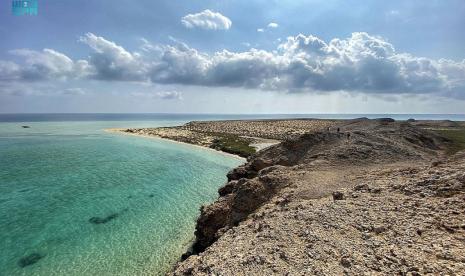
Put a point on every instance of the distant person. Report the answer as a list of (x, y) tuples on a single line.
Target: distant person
[(348, 135), (338, 130)]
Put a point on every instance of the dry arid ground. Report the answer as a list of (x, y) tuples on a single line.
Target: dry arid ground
[(376, 198), (238, 137)]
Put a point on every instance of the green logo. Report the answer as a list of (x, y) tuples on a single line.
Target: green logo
[(24, 7)]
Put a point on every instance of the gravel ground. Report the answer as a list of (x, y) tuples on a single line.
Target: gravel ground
[(382, 201)]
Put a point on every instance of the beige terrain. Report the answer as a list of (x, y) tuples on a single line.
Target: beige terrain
[(387, 221), (235, 136), (377, 197)]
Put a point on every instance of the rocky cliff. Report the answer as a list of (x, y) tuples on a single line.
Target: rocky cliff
[(351, 165)]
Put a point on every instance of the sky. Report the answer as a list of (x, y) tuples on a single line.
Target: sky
[(315, 56)]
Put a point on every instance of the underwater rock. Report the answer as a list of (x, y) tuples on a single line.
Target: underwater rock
[(98, 220), (151, 195), (30, 259)]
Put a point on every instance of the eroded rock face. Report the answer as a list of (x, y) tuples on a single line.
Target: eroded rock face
[(212, 218), (238, 199)]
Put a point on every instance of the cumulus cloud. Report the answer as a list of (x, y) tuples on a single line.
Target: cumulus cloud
[(42, 65), (359, 63), (260, 30), (207, 20), (110, 61), (273, 25)]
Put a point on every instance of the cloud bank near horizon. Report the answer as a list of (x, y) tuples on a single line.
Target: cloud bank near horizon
[(361, 63)]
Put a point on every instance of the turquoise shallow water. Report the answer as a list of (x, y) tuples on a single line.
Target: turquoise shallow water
[(56, 176)]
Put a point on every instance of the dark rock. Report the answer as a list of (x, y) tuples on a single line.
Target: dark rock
[(282, 201), (362, 187), (212, 218), (25, 126), (243, 171), (187, 254), (228, 187), (30, 259), (259, 164), (338, 195), (151, 195), (98, 220), (345, 262), (385, 120), (379, 229)]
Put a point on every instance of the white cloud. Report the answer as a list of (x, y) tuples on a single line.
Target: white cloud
[(73, 91), (164, 95), (170, 95), (207, 20), (112, 62), (40, 65), (9, 71), (273, 25), (359, 63)]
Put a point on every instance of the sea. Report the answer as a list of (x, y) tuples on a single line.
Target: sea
[(77, 200)]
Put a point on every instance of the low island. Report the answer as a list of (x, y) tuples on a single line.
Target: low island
[(331, 197)]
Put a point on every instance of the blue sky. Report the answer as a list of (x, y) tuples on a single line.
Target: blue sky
[(234, 57)]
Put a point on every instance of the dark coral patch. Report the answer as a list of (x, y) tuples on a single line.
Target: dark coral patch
[(30, 259), (99, 220)]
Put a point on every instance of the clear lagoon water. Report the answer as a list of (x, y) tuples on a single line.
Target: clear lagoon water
[(81, 201), (56, 176)]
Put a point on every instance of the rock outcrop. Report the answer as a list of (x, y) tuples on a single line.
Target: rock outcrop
[(335, 202)]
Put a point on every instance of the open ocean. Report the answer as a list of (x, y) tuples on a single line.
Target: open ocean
[(75, 200)]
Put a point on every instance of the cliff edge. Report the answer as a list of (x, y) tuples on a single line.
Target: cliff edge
[(377, 196)]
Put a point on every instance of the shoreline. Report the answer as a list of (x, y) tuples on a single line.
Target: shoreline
[(326, 171), (123, 132)]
